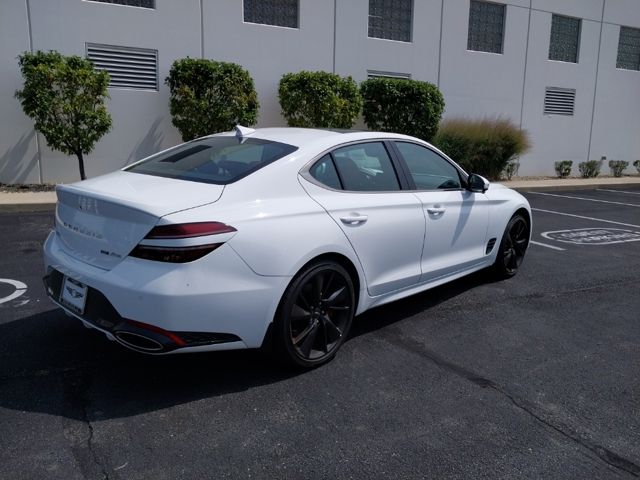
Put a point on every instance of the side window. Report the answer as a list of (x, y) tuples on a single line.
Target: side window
[(428, 169), (366, 167), (324, 172)]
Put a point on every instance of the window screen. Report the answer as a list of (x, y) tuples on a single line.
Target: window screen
[(629, 49), (281, 13), (390, 19), (486, 27), (565, 39)]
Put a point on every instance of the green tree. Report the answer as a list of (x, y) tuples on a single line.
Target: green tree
[(209, 97), (319, 100), (411, 107), (65, 96)]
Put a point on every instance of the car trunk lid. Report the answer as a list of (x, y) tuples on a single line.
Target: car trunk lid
[(101, 220)]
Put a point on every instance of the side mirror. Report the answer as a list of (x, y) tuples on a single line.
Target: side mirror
[(476, 183)]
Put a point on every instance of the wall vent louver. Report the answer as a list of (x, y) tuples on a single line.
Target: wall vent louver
[(559, 101), (135, 68)]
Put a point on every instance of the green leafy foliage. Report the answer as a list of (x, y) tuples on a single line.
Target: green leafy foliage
[(590, 169), (636, 163), (563, 168), (483, 146), (319, 100), (209, 97), (65, 96), (403, 106), (617, 167)]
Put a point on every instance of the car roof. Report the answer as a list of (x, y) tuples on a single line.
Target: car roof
[(301, 137)]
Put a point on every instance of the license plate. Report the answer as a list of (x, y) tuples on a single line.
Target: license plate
[(73, 295)]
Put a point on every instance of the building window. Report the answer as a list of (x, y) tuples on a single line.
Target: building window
[(486, 27), (135, 68), (131, 3), (629, 49), (390, 19), (280, 13), (565, 39)]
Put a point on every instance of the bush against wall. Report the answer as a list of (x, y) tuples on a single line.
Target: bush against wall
[(617, 167), (563, 168), (636, 163), (483, 146), (65, 96), (209, 97), (590, 169), (319, 100), (404, 106)]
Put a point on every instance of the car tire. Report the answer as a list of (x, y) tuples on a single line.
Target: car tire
[(314, 315), (513, 247)]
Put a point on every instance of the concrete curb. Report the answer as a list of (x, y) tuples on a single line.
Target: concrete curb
[(42, 201)]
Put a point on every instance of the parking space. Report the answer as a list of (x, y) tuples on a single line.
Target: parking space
[(534, 377)]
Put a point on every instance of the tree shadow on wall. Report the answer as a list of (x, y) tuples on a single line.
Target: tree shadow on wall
[(14, 166), (150, 143)]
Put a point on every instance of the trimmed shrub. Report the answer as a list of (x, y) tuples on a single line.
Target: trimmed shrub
[(636, 164), (209, 97), (590, 169), (319, 100), (617, 167), (483, 146), (563, 168), (403, 106), (511, 169)]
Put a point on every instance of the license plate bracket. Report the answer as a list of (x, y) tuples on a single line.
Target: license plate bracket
[(73, 295)]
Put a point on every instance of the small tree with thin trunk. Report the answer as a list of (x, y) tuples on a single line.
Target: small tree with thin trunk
[(65, 96)]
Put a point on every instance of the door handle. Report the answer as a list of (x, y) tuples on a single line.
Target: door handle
[(436, 210), (354, 219)]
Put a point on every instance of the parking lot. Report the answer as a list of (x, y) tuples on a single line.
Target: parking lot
[(533, 377)]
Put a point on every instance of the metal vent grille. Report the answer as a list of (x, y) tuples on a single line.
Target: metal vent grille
[(128, 67), (559, 101), (381, 74)]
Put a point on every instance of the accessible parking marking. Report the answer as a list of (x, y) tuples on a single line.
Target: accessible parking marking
[(20, 287), (593, 236)]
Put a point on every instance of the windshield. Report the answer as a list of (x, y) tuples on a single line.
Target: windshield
[(219, 160)]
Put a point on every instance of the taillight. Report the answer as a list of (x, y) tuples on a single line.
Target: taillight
[(182, 243)]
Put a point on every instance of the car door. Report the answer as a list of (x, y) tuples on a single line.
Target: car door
[(456, 219), (358, 185)]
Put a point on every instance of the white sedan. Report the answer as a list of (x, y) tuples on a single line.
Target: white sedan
[(275, 234)]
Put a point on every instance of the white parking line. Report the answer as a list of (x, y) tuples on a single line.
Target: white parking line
[(586, 199), (548, 246), (586, 218), (617, 191)]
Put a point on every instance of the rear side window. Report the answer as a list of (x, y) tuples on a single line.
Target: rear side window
[(219, 160), (325, 172), (428, 170), (366, 167)]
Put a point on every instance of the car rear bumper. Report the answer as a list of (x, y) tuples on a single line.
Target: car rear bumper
[(215, 303)]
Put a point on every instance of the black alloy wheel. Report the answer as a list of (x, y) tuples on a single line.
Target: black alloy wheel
[(512, 247), (315, 315)]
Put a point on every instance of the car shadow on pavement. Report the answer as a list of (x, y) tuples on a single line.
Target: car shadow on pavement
[(50, 364)]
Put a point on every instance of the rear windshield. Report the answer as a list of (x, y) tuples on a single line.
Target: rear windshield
[(219, 160)]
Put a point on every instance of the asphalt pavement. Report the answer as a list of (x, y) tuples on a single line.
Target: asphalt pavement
[(532, 377)]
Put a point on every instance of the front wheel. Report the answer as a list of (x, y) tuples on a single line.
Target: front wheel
[(315, 315), (512, 247)]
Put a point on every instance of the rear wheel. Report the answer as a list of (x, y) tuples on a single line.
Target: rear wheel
[(315, 315), (512, 247)]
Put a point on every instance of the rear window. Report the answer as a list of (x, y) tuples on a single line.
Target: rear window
[(219, 160)]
